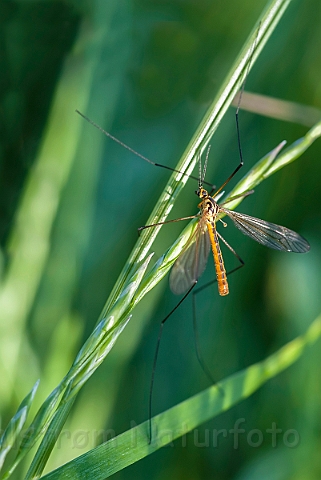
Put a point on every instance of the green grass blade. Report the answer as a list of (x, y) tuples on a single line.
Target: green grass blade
[(295, 150), (29, 245), (11, 433), (273, 162), (36, 429), (87, 361), (131, 446)]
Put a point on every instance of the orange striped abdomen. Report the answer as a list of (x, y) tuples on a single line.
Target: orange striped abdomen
[(218, 262)]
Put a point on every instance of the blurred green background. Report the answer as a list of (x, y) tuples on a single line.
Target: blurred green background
[(72, 200)]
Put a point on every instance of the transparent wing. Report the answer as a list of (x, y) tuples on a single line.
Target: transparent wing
[(269, 234), (192, 261)]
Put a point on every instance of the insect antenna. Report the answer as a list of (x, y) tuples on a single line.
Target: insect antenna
[(124, 145)]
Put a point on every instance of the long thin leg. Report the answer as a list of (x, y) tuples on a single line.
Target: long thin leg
[(232, 250), (240, 97), (199, 355), (229, 178), (156, 357), (237, 117), (240, 165)]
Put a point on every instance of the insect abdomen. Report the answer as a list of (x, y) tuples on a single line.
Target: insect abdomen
[(218, 262)]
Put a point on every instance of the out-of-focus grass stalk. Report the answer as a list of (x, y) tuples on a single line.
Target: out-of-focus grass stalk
[(29, 242), (100, 36), (279, 109), (30, 238)]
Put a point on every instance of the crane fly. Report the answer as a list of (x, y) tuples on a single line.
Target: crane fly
[(192, 261)]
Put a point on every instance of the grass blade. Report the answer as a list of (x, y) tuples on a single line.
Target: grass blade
[(11, 433)]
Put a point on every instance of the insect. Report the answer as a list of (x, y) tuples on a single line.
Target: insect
[(192, 261)]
